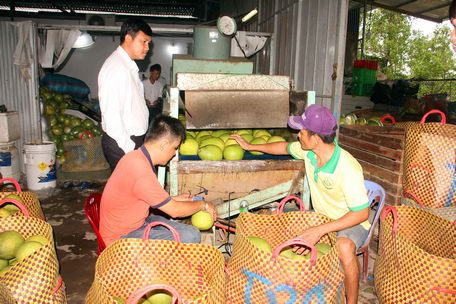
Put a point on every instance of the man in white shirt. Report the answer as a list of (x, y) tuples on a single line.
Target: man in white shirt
[(124, 114), (153, 89)]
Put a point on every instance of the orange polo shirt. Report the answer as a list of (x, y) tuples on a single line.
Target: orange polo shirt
[(132, 188)]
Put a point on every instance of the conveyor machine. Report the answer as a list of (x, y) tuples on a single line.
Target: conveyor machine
[(234, 101)]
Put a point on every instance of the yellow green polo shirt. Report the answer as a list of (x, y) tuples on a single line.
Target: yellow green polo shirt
[(337, 187)]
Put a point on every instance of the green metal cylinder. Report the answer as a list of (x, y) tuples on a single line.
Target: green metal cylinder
[(209, 43)]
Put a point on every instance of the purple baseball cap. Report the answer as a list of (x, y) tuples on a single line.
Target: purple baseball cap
[(316, 118)]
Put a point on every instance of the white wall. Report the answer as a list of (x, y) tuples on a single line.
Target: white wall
[(85, 64)]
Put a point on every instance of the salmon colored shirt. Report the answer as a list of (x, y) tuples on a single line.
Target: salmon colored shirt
[(132, 188)]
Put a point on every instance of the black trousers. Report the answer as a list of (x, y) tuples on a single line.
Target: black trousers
[(113, 152), (155, 110)]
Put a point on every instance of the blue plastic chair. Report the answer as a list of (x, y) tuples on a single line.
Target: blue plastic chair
[(376, 195)]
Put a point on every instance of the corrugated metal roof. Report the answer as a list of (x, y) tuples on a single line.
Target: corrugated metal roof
[(155, 8), (433, 10)]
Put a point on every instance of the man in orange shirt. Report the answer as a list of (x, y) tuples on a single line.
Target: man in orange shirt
[(133, 189)]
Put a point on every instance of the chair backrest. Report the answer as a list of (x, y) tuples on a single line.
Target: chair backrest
[(92, 211), (376, 195)]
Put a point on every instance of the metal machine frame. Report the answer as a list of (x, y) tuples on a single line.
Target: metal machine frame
[(256, 199)]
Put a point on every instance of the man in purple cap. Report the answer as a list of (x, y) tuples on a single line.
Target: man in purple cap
[(336, 186)]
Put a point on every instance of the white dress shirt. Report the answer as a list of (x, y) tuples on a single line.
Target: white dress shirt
[(121, 95), (152, 90)]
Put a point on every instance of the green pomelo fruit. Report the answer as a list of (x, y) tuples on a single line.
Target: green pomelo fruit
[(143, 301), (210, 152), (3, 264), (243, 132), (218, 133), (160, 298), (203, 138), (10, 241), (213, 141), (300, 257), (261, 133), (27, 249), (247, 137), (287, 252), (4, 213), (275, 138), (11, 208), (15, 197), (323, 248), (233, 152), (119, 300), (192, 133), (189, 147), (361, 121), (374, 122), (224, 137), (38, 238), (260, 243), (202, 220), (230, 142), (4, 270), (257, 141), (202, 133), (266, 138)]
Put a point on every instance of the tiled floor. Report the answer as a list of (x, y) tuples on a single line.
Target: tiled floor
[(76, 243)]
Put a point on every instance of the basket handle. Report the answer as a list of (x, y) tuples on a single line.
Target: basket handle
[(444, 290), (289, 198), (85, 132), (135, 296), (17, 203), (296, 241), (58, 286), (413, 196), (388, 116), (443, 121), (12, 180), (393, 210), (153, 224)]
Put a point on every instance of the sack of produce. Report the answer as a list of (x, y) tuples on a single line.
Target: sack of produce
[(264, 269), (61, 126), (29, 269), (65, 85), (84, 154), (130, 269), (28, 199), (416, 261)]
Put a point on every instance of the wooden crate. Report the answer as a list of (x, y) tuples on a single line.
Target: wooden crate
[(380, 151), (234, 179)]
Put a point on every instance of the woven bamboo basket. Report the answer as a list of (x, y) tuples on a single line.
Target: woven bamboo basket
[(36, 278), (29, 199), (258, 276), (417, 257), (129, 268)]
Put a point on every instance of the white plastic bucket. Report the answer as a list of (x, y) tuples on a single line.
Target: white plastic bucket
[(39, 160), (9, 161)]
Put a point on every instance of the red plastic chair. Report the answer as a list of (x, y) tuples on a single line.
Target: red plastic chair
[(92, 211)]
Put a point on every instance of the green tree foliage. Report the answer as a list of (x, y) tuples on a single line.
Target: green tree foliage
[(431, 57), (404, 52), (389, 38)]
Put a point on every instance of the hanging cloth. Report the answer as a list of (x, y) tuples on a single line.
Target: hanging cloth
[(56, 46)]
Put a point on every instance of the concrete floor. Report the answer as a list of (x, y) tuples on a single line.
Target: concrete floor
[(76, 242)]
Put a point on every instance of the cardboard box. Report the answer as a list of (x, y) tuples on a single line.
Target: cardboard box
[(10, 127)]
